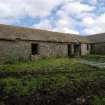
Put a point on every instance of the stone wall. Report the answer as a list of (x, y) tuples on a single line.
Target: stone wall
[(14, 50), (22, 50), (84, 49), (98, 48), (53, 49)]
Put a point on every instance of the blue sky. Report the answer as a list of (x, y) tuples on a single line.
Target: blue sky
[(69, 16)]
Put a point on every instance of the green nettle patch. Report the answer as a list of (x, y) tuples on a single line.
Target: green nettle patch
[(59, 81)]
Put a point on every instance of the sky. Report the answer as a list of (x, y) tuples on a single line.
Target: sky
[(82, 17)]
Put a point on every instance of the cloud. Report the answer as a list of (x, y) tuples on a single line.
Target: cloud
[(22, 8), (45, 24), (88, 21), (77, 8), (67, 30), (11, 9), (94, 2), (69, 16), (65, 22), (94, 25)]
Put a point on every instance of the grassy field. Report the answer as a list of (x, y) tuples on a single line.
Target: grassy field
[(48, 78), (46, 65)]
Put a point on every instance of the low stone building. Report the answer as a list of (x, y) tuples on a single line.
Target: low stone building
[(97, 43), (27, 43)]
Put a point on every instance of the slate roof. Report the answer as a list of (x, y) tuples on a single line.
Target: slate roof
[(8, 32), (97, 38)]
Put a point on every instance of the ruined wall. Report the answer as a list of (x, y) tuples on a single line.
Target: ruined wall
[(14, 50), (53, 49), (84, 49), (98, 48), (22, 50)]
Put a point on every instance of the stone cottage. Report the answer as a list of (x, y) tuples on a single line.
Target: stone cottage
[(27, 43), (97, 43)]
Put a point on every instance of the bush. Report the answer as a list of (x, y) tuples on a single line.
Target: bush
[(98, 100)]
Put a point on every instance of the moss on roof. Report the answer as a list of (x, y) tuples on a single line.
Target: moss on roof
[(8, 32)]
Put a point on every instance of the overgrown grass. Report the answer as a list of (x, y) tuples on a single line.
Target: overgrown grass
[(44, 65), (98, 100), (72, 70), (21, 87), (27, 84)]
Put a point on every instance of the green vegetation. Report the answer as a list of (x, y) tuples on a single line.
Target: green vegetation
[(51, 75), (98, 100), (45, 65), (21, 87), (26, 85)]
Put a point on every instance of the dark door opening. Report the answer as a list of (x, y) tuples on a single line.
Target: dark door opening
[(69, 50), (92, 49), (77, 50), (34, 49)]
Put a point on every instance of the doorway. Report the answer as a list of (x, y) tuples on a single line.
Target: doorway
[(77, 50), (69, 50), (34, 49)]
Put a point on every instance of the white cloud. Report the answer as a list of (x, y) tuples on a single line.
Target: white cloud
[(64, 20), (11, 11), (40, 8), (66, 23), (45, 24), (32, 8), (77, 8), (94, 2), (66, 30), (94, 25), (62, 25), (93, 30), (88, 21)]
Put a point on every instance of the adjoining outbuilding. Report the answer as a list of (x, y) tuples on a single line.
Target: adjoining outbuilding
[(27, 43), (97, 43)]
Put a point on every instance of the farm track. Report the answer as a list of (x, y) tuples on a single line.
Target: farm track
[(93, 64)]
